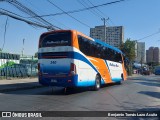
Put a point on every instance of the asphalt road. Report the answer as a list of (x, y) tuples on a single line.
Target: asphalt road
[(140, 93)]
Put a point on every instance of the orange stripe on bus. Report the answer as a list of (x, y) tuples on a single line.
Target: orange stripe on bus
[(124, 70), (75, 39), (102, 68)]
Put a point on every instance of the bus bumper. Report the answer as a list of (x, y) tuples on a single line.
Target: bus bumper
[(70, 81)]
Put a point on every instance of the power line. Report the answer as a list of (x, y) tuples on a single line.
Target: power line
[(80, 10), (96, 9), (10, 14), (148, 36), (83, 3), (43, 11), (26, 10), (68, 14), (24, 20), (102, 14)]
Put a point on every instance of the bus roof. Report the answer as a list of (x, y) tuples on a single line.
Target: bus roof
[(109, 46)]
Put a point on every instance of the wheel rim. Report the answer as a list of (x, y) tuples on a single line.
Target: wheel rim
[(97, 83)]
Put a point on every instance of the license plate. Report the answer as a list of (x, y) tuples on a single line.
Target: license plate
[(53, 81)]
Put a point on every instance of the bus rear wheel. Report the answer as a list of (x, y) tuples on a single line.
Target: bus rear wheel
[(120, 82), (97, 83)]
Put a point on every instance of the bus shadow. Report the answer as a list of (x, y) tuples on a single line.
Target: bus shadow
[(44, 90), (62, 91), (70, 91), (155, 84), (151, 94)]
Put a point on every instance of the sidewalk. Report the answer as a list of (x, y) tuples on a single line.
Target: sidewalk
[(134, 75), (18, 84)]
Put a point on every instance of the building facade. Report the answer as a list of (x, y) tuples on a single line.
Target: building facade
[(140, 52), (153, 55), (156, 55), (114, 35)]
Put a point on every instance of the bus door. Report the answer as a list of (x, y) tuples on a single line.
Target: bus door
[(115, 69)]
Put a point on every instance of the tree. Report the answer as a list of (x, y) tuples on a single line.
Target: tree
[(128, 48), (36, 55)]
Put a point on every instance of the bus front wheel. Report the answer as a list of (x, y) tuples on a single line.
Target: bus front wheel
[(97, 83)]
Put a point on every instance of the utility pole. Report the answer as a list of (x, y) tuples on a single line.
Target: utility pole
[(141, 61), (23, 48), (104, 20)]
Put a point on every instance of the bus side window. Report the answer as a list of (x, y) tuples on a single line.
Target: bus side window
[(110, 55), (87, 48), (81, 44), (84, 45), (118, 57), (92, 49), (101, 51), (105, 53)]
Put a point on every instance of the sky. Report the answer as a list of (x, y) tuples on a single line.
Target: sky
[(140, 19)]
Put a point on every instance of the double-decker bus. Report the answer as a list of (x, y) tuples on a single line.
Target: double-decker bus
[(68, 58)]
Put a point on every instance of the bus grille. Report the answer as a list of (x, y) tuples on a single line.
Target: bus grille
[(54, 55)]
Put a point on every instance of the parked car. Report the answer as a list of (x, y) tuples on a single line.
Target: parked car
[(145, 71), (157, 70), (32, 70)]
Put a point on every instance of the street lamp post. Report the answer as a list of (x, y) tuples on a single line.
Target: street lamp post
[(104, 20), (23, 48)]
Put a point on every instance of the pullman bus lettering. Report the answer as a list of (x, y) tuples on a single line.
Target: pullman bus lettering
[(53, 62), (114, 65)]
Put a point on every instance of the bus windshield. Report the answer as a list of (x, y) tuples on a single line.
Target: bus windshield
[(56, 39)]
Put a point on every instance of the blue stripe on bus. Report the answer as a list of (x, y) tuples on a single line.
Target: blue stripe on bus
[(86, 83), (116, 79), (108, 46), (108, 67), (63, 82), (78, 56)]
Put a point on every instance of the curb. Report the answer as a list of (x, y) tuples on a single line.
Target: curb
[(18, 87)]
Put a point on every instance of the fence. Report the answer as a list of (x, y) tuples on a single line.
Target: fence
[(12, 65)]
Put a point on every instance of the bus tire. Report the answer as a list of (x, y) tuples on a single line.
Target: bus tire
[(97, 83), (120, 82)]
